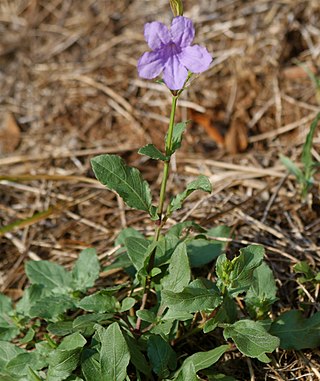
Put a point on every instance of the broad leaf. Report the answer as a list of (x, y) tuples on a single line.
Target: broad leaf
[(178, 131), (201, 183), (147, 315), (90, 365), (153, 152), (8, 351), (161, 355), (227, 313), (50, 307), (192, 299), (8, 330), (201, 251), (49, 274), (203, 360), (114, 352), (137, 249), (73, 341), (220, 377), (251, 339), (63, 360), (187, 373), (19, 365), (30, 297), (100, 301), (262, 292), (86, 270), (61, 328), (136, 356), (127, 303), (179, 270), (85, 323), (112, 171), (297, 332), (237, 274)]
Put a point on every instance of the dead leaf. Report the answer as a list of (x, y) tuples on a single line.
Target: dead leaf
[(205, 121), (236, 139), (10, 134)]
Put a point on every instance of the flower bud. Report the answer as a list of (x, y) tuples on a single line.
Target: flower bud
[(177, 7)]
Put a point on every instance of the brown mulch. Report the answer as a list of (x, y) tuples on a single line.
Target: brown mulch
[(70, 91)]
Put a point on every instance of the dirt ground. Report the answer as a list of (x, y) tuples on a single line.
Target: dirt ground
[(70, 90)]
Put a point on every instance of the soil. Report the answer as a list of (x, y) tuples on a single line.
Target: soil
[(70, 91)]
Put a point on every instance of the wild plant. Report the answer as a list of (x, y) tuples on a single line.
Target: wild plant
[(165, 323)]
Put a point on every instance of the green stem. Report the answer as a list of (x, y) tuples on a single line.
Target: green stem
[(167, 163), (162, 219)]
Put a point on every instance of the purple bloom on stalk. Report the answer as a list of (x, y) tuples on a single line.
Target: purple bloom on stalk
[(172, 53)]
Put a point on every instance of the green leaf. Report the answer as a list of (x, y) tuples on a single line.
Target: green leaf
[(85, 323), (202, 251), (304, 268), (63, 360), (100, 301), (112, 171), (147, 316), (202, 360), (127, 303), (201, 183), (28, 336), (184, 227), (8, 351), (237, 275), (86, 270), (30, 297), (297, 332), (262, 292), (5, 304), (49, 274), (90, 365), (187, 373), (114, 352), (178, 131), (227, 313), (61, 328), (73, 341), (125, 233), (220, 377), (19, 365), (179, 270), (8, 329), (293, 168), (137, 358), (306, 157), (251, 338), (137, 249), (161, 355), (153, 152), (192, 299), (50, 307)]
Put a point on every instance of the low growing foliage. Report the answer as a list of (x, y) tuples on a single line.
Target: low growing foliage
[(66, 328)]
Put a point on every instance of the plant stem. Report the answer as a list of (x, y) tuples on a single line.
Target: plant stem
[(165, 175), (167, 162)]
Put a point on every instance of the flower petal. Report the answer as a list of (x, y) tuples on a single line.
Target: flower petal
[(151, 64), (174, 74), (182, 31), (156, 34), (195, 58)]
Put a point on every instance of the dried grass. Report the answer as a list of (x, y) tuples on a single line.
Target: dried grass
[(68, 78)]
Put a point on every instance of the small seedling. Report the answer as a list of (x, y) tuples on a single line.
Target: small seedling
[(304, 175)]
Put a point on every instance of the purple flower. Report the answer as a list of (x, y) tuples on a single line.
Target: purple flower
[(172, 53)]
